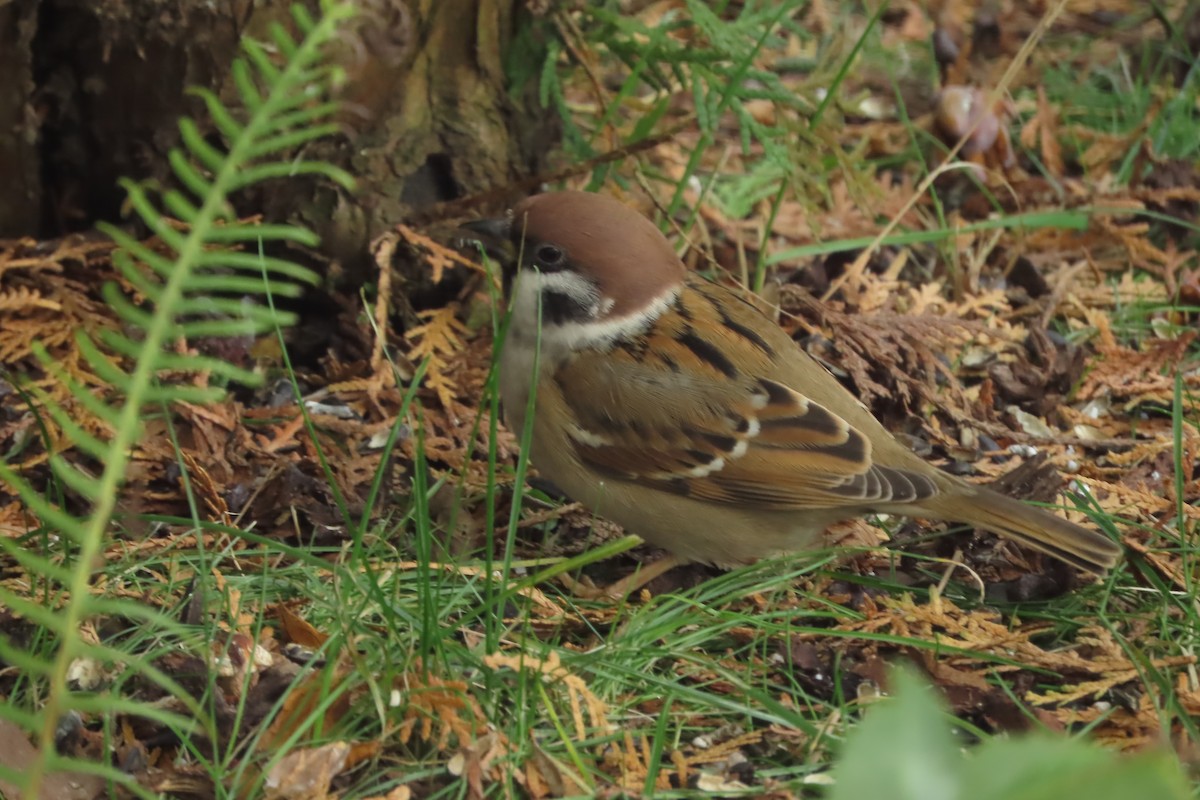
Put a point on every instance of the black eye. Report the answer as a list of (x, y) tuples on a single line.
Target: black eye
[(547, 255)]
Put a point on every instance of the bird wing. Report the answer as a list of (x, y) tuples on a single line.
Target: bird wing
[(671, 410)]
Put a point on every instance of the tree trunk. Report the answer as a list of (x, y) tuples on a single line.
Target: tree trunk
[(90, 91), (20, 165)]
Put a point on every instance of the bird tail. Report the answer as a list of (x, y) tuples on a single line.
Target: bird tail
[(1086, 549)]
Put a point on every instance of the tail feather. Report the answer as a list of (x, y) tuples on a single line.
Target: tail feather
[(1086, 549)]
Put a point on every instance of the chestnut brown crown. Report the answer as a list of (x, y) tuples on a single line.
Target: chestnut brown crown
[(600, 239)]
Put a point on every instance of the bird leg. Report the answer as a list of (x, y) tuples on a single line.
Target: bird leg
[(642, 575)]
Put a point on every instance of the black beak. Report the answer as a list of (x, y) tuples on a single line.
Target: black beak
[(489, 230), (492, 236)]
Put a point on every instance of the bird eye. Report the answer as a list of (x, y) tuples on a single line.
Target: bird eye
[(548, 255)]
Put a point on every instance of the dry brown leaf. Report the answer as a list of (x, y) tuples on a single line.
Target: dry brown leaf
[(1136, 376), (440, 339), (302, 703), (430, 700), (439, 257), (305, 774), (547, 777), (1094, 664), (1042, 130), (477, 761), (1106, 148), (401, 792), (579, 695), (24, 298), (298, 630)]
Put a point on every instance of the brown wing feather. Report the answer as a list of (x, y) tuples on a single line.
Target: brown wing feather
[(698, 416)]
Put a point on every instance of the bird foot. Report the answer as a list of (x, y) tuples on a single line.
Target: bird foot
[(619, 590)]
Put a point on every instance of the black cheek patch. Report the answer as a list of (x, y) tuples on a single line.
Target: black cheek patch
[(560, 307)]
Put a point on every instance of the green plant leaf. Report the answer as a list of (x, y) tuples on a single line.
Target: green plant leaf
[(905, 749), (1043, 767)]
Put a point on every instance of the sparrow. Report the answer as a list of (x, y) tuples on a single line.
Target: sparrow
[(672, 406)]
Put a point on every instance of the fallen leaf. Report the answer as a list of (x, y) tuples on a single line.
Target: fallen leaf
[(299, 630), (1032, 425), (305, 774)]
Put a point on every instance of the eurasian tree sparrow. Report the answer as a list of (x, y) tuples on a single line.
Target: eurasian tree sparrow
[(672, 406)]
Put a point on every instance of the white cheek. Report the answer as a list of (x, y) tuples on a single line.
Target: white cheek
[(529, 331), (525, 301), (598, 333)]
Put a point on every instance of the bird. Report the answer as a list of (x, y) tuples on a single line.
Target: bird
[(672, 406)]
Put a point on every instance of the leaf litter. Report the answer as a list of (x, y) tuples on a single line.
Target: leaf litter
[(982, 350)]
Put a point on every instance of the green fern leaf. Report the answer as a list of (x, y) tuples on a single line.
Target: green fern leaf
[(203, 285)]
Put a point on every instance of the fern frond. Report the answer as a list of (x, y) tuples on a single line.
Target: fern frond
[(195, 282)]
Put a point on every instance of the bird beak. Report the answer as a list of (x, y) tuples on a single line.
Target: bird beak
[(488, 231), (491, 236)]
